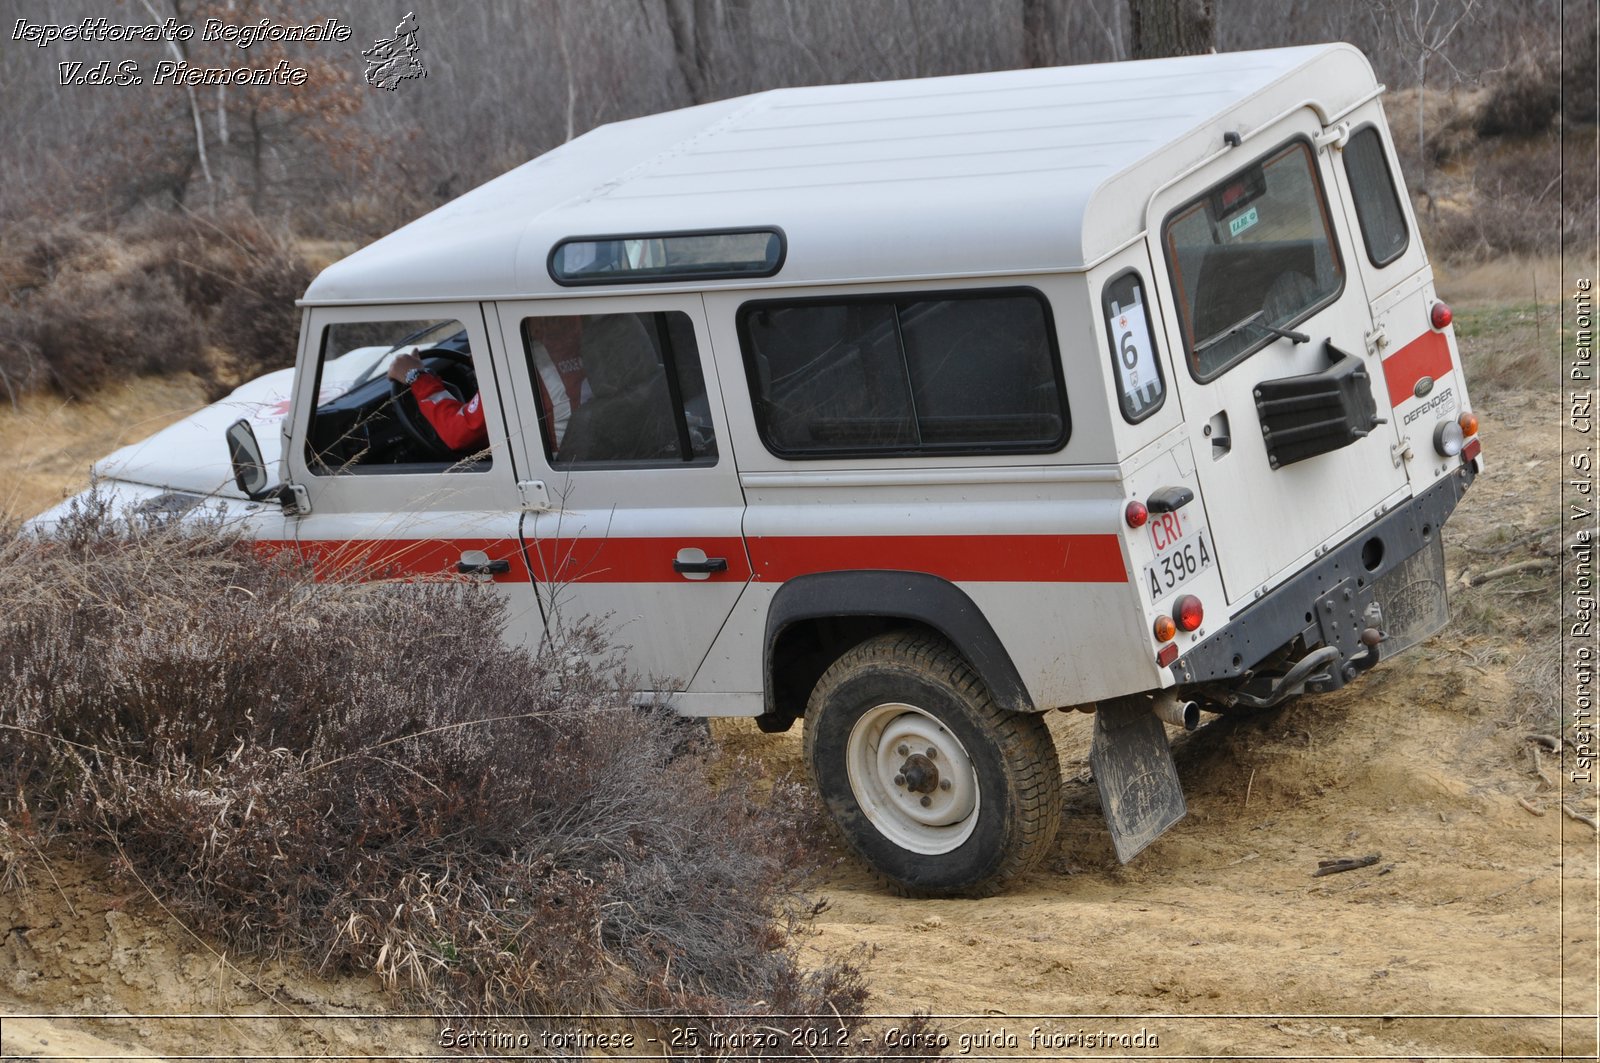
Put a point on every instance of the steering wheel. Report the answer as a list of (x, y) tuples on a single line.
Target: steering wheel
[(409, 416)]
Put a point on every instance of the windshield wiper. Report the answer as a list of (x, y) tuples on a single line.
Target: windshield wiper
[(1258, 318)]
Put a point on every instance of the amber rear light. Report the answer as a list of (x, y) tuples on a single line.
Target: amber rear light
[(1165, 629), (1469, 423)]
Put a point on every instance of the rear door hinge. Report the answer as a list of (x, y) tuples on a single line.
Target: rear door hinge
[(1377, 340), (1335, 135)]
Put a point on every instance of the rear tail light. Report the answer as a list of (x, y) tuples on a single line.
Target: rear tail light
[(1188, 612), (1469, 423), (1136, 514), (1441, 315), (1165, 629), (1447, 438)]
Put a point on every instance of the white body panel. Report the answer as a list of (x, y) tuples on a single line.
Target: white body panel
[(1055, 181)]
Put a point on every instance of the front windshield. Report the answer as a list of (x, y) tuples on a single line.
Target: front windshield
[(1255, 250), (383, 340)]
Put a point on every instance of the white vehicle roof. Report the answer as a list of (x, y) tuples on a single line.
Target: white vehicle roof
[(1019, 171)]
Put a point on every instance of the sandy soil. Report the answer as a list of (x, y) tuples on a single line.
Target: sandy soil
[(1217, 940)]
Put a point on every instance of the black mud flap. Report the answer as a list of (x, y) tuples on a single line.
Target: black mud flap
[(1133, 768), (1412, 597)]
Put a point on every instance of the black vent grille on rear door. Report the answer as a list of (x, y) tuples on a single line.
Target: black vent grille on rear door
[(1303, 416)]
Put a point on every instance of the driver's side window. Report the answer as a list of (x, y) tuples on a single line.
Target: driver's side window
[(369, 420)]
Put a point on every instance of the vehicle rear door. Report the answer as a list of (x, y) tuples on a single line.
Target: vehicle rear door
[(635, 504), (1291, 434)]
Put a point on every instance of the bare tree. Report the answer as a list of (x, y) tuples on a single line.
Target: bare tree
[(1423, 28), (1172, 27)]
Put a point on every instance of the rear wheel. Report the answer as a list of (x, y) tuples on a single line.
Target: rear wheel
[(939, 790)]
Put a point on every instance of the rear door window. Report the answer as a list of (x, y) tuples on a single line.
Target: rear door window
[(619, 389), (1257, 248), (962, 373)]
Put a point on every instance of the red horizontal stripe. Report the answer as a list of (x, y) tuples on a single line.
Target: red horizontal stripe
[(633, 560), (1427, 355), (960, 558), (363, 560)]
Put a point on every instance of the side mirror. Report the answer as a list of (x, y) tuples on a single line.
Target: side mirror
[(249, 467)]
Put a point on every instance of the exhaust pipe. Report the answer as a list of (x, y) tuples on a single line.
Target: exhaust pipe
[(1168, 709)]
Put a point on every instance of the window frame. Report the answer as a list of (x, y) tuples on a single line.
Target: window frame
[(1175, 275), (1394, 193), (316, 467), (673, 381), (667, 276), (894, 298), (1155, 346)]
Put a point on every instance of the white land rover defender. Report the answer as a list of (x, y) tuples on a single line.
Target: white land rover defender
[(911, 410)]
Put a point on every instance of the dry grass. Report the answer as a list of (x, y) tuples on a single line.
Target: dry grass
[(364, 775)]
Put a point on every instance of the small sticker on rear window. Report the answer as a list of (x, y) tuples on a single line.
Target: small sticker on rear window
[(1243, 222)]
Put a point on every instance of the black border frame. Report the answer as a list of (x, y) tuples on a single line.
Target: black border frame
[(669, 278)]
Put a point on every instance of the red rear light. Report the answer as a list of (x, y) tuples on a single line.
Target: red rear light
[(1165, 629), (1136, 513), (1469, 423), (1168, 654), (1441, 315), (1471, 450), (1189, 612)]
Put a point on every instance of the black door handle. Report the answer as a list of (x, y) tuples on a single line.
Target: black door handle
[(489, 568), (710, 564)]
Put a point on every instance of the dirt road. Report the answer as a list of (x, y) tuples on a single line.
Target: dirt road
[(1471, 935)]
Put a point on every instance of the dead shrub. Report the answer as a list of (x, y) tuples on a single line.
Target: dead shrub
[(366, 775), (1523, 99), (81, 309), (81, 331), (1510, 204), (241, 278)]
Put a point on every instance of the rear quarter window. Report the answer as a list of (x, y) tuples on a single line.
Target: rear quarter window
[(1377, 198), (945, 372)]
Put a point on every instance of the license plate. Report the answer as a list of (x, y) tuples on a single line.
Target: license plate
[(1183, 551)]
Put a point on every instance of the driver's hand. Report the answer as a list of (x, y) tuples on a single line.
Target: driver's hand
[(403, 364)]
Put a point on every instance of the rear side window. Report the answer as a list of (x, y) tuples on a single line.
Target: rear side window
[(953, 373), (1383, 222), (1140, 387)]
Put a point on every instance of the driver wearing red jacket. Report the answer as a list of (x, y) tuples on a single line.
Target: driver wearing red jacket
[(458, 424)]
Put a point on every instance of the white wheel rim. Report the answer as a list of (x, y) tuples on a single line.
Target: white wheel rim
[(934, 808)]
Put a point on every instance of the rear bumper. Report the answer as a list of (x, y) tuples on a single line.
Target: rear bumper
[(1327, 603)]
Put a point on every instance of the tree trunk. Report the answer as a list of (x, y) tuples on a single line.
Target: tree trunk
[(691, 25), (1173, 27), (1041, 33)]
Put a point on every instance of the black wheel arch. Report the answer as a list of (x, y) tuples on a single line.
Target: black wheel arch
[(816, 618)]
